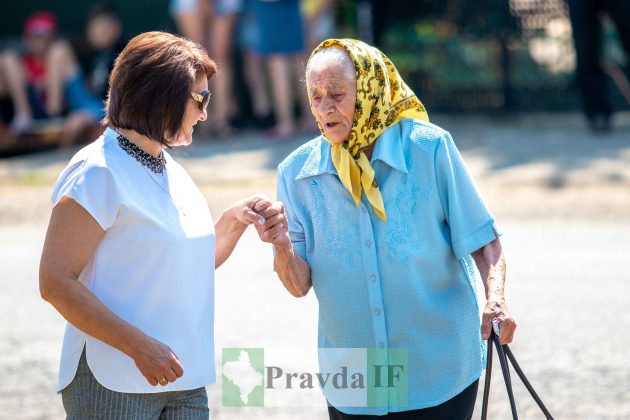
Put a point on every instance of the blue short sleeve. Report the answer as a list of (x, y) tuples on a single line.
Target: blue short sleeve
[(92, 187), (296, 230), (471, 223)]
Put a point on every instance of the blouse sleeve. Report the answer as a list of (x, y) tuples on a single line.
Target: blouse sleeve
[(92, 187), (471, 223), (296, 230)]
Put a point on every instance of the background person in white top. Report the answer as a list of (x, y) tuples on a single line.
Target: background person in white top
[(131, 247)]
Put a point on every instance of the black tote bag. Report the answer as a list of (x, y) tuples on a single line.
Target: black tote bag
[(502, 352)]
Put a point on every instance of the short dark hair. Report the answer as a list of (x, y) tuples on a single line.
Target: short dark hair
[(104, 9), (151, 81)]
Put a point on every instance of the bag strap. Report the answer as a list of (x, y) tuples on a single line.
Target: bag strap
[(502, 352)]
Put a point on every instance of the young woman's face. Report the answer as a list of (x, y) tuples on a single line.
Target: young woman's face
[(333, 95), (192, 115)]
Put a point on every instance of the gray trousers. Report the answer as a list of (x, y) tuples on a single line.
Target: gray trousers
[(85, 398)]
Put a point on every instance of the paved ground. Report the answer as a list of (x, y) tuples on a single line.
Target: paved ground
[(561, 196)]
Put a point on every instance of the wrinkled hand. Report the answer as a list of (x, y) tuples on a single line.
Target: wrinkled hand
[(275, 230), (497, 309), (157, 362), (245, 210)]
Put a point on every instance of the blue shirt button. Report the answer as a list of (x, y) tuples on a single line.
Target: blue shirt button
[(368, 243), (373, 277), (377, 311)]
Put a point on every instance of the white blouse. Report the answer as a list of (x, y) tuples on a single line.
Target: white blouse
[(153, 268)]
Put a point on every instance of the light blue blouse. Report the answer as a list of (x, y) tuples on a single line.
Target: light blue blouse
[(405, 283)]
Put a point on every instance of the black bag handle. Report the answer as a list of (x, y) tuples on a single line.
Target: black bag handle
[(503, 351)]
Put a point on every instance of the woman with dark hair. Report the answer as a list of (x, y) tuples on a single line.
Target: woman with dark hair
[(131, 248)]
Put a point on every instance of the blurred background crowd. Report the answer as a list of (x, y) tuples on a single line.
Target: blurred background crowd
[(484, 56)]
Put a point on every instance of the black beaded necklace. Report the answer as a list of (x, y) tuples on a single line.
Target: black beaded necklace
[(155, 164)]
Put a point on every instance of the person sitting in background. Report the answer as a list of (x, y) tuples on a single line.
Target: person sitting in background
[(46, 82), (104, 33)]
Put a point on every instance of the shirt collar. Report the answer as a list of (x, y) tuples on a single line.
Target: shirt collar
[(318, 161), (388, 149)]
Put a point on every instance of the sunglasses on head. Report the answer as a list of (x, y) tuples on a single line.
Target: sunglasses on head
[(202, 99)]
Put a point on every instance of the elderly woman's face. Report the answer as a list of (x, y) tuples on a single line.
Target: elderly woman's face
[(333, 96)]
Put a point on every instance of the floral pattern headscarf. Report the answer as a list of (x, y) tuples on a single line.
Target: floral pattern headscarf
[(383, 98)]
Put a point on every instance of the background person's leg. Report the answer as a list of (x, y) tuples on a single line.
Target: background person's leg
[(221, 35), (253, 66), (190, 25), (85, 111), (62, 67), (189, 16), (619, 11), (590, 76), (257, 84), (307, 121), (280, 38), (280, 72), (14, 84)]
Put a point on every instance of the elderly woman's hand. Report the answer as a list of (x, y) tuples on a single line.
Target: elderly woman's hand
[(275, 230), (490, 261), (496, 309)]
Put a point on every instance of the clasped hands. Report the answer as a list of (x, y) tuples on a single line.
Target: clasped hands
[(268, 218)]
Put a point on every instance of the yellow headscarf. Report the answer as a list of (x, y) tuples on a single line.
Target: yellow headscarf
[(383, 98)]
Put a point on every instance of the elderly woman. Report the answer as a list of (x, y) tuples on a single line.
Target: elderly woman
[(131, 248), (385, 223)]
